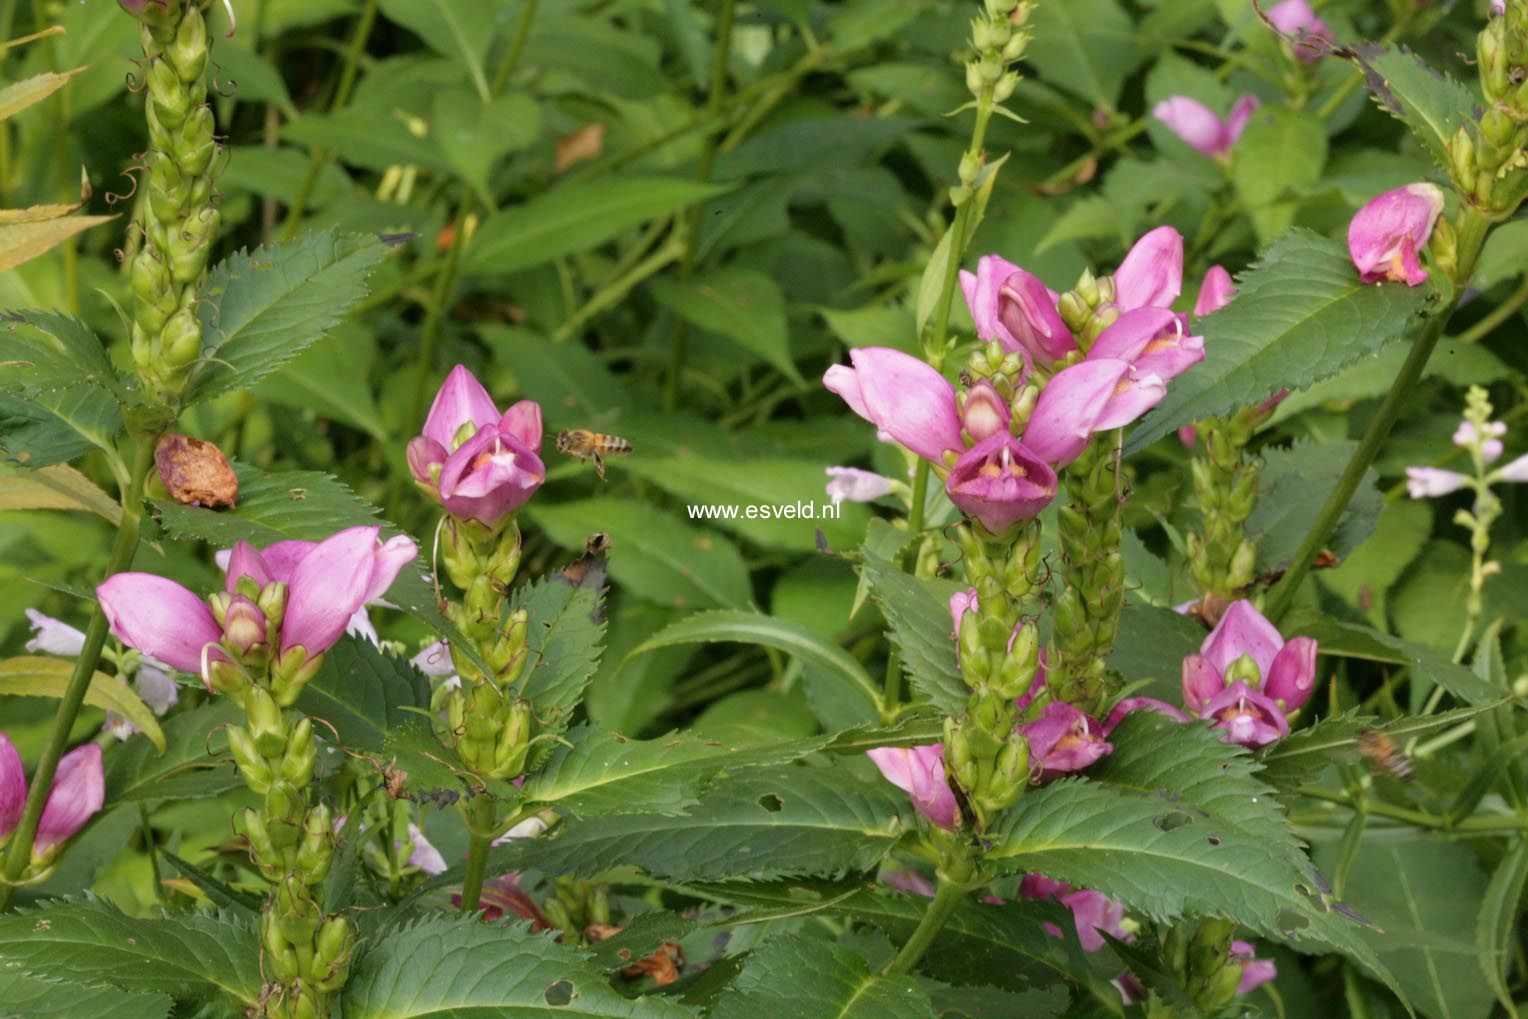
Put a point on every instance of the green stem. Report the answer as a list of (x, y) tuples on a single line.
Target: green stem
[(348, 72), (477, 853), (1472, 233), (19, 854), (516, 47), (445, 280), (919, 497), (1480, 330), (691, 221), (616, 289), (946, 900)]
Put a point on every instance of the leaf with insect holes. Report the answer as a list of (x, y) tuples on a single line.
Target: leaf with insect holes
[(263, 308), (760, 824), (808, 977), (457, 966)]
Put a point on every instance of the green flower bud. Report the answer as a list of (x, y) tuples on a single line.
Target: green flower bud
[(281, 960), (182, 343), (256, 772), (301, 755)]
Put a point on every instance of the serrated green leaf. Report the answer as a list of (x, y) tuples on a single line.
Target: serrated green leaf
[(1173, 823), (55, 427), (1302, 756), (760, 824), (812, 978), (654, 555), (363, 693), (35, 997), (42, 351), (262, 309), (575, 218), (40, 676), (18, 95), (190, 957), (1354, 640), (1086, 46), (741, 304), (757, 628), (193, 765), (1427, 100), (456, 967), (565, 638), (1299, 315), (919, 613)]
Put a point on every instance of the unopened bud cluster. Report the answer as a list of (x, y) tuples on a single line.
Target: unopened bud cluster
[(999, 651), (484, 717), (1201, 957), (1086, 610), (999, 37), (180, 218), (1222, 559), (1489, 162), (1088, 309)]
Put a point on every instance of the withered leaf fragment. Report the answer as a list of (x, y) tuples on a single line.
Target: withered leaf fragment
[(195, 472), (663, 965)]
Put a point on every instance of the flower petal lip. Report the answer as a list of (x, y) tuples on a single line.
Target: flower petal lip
[(1242, 630), (1515, 470), (13, 787), (489, 477), (523, 422), (1432, 482), (423, 453), (53, 636), (919, 771), (909, 400), (1134, 394), (159, 617), (856, 485), (1195, 123), (1000, 482), (461, 398), (392, 556), (1240, 116), (1246, 717), (1202, 682), (327, 586), (245, 561), (981, 293), (1067, 412), (1152, 273), (79, 789), (1029, 317)]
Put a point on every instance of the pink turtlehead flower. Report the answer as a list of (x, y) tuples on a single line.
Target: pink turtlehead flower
[(1013, 307), (1001, 482), (326, 585), (919, 772), (79, 789), (1200, 127), (1091, 911), (1154, 341), (856, 485), (1247, 678), (1152, 273), (1386, 236), (1089, 397), (1062, 740), (1255, 972), (481, 465), (906, 399), (1294, 18)]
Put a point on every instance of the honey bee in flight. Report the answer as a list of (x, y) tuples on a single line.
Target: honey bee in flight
[(584, 444), (1383, 754)]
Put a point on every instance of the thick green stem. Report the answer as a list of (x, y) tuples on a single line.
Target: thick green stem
[(20, 852), (516, 47), (477, 853), (720, 57), (1472, 234), (946, 900)]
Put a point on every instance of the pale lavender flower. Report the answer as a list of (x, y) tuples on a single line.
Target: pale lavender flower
[(1431, 482), (856, 485)]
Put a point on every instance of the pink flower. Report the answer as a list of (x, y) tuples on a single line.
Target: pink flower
[(984, 412), (1091, 911), (1431, 482), (856, 485), (78, 791), (334, 579), (1151, 340), (1255, 972), (1063, 739), (481, 466), (1133, 704), (1490, 438), (1295, 18), (1152, 273), (919, 772), (1516, 471), (1387, 235), (1246, 677), (1000, 482), (1013, 307), (1215, 292), (1093, 396), (907, 400), (1498, 7), (1200, 127)]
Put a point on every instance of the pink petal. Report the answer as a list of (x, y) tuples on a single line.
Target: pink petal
[(245, 561), (1198, 125), (160, 618), (1293, 674), (329, 584), (283, 557), (981, 293), (1215, 292), (1202, 682), (461, 399), (1386, 235), (1131, 705), (919, 771), (1000, 482), (489, 477), (78, 791), (391, 558), (13, 787), (1152, 273), (1240, 115), (1067, 413), (1243, 630), (1027, 310), (523, 422), (909, 400)]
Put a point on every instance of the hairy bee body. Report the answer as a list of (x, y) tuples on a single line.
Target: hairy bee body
[(589, 445), (1383, 754)]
